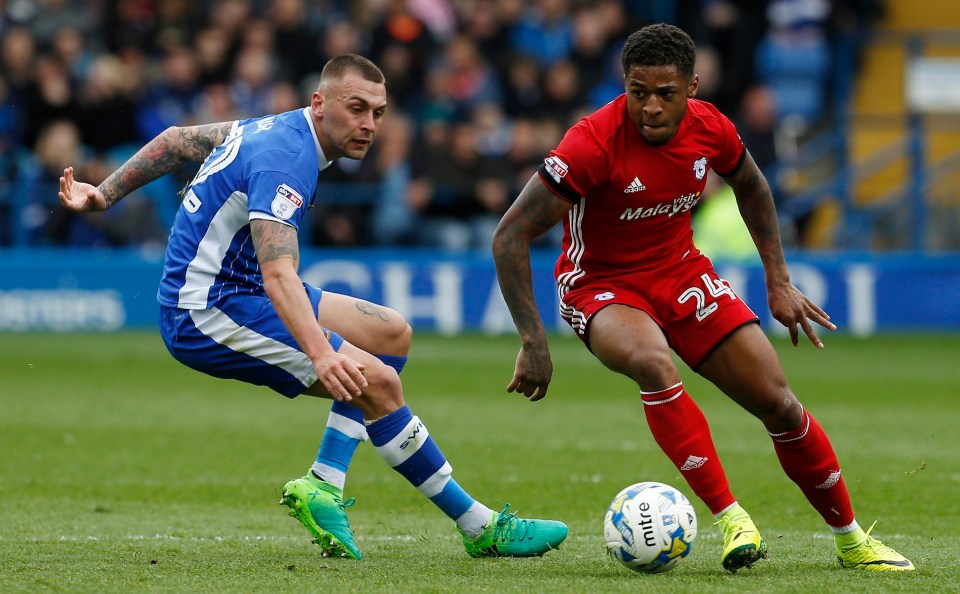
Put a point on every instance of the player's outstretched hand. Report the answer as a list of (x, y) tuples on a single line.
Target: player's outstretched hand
[(341, 375), (79, 196), (531, 377), (793, 309)]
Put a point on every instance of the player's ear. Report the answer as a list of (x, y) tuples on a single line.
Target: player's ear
[(317, 104), (694, 84)]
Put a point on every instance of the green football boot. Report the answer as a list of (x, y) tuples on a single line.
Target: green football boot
[(742, 544), (873, 555), (320, 508), (506, 535)]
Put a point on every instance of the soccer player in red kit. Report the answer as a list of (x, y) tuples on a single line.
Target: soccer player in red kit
[(633, 286)]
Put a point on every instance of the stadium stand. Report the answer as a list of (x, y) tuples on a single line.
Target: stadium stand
[(483, 87)]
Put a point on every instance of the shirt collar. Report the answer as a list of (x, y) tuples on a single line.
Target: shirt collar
[(322, 161)]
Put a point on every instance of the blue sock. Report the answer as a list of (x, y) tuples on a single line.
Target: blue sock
[(344, 432), (404, 443)]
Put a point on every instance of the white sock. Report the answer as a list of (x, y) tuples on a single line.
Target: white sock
[(475, 519)]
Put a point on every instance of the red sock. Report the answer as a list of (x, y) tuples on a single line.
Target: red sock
[(681, 431), (808, 459)]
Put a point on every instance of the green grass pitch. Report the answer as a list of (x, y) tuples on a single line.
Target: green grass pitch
[(121, 470)]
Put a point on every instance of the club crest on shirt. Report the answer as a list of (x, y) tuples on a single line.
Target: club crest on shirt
[(556, 168), (286, 202), (700, 167)]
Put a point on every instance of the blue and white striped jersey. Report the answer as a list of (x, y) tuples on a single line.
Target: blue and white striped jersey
[(267, 168)]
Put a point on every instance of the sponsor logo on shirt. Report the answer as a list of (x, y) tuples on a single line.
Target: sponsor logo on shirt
[(286, 202), (679, 205), (635, 186), (556, 168), (191, 203), (700, 167)]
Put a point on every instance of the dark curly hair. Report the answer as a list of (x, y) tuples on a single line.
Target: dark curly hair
[(659, 45)]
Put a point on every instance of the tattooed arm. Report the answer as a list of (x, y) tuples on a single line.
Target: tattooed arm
[(535, 212), (788, 305), (279, 255), (171, 148)]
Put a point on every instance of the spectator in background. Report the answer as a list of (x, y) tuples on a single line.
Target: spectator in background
[(402, 38), (545, 31), (215, 104), (58, 144), (172, 98), (212, 48), (48, 97), (562, 92), (295, 47), (176, 23), (17, 54), (107, 102), (591, 49), (70, 45), (793, 59), (485, 23), (494, 133), (393, 221), (458, 194), (250, 85), (53, 15), (469, 78), (756, 120), (169, 63), (733, 29), (524, 89)]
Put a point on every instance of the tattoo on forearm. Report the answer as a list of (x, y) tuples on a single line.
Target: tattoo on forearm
[(512, 258), (370, 309), (274, 240), (163, 154), (759, 213)]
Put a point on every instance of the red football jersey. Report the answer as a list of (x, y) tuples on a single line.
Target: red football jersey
[(632, 200)]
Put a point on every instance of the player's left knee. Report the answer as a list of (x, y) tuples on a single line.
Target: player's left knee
[(782, 412), (383, 387)]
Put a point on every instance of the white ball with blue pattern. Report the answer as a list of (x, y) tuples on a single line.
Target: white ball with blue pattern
[(650, 527)]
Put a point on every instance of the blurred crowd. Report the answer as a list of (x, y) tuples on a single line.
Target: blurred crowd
[(480, 91)]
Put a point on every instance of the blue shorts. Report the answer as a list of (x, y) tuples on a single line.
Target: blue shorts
[(244, 339)]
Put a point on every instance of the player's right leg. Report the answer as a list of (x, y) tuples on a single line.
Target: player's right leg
[(245, 340), (403, 441), (627, 340), (801, 444), (374, 329)]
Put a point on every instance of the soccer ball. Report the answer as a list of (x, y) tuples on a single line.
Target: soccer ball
[(650, 527)]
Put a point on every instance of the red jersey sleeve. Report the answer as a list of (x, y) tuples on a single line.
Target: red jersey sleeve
[(577, 165), (731, 151)]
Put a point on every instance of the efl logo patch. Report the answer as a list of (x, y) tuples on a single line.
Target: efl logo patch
[(556, 168), (286, 202)]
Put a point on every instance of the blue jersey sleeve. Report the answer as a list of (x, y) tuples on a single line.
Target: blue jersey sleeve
[(274, 194)]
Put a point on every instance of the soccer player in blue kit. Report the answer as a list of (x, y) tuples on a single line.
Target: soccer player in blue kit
[(232, 304)]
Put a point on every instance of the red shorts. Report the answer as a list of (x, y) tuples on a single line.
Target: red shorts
[(695, 308)]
